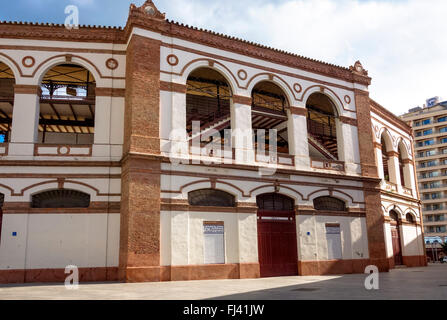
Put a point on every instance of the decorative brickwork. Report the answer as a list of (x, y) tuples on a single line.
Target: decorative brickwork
[(374, 215), (140, 214)]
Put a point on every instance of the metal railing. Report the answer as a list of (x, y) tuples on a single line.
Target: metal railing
[(320, 129)]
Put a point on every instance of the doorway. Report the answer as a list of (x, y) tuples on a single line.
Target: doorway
[(395, 238), (277, 241)]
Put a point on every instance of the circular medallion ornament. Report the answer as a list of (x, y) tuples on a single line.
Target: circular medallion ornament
[(28, 61), (172, 60), (242, 74), (348, 99), (112, 64), (63, 150), (297, 87)]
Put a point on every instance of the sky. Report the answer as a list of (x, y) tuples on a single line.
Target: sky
[(402, 43)]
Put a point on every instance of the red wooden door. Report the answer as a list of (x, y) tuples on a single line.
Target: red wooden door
[(277, 243), (397, 249)]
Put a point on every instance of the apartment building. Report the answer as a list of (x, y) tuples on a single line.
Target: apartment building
[(430, 131)]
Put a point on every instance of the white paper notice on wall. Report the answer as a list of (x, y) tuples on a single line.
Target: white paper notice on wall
[(214, 243), (333, 239)]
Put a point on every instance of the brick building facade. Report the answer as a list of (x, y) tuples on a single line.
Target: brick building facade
[(106, 162)]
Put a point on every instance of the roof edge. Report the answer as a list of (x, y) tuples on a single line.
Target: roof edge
[(390, 116)]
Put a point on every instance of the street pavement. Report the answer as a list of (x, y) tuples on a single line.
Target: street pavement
[(428, 283)]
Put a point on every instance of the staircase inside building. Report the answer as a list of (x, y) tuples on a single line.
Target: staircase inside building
[(323, 138)]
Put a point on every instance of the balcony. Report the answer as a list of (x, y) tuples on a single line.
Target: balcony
[(441, 186), (407, 191), (327, 164), (426, 178), (431, 200), (278, 158), (436, 209), (431, 155), (432, 221), (61, 150), (430, 146), (3, 149), (389, 186)]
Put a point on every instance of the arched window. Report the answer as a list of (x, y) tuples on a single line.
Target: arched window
[(329, 204), (275, 202), (404, 170), (385, 159), (211, 198), (269, 104), (409, 217), (208, 101), (62, 198), (7, 82), (394, 216), (322, 121), (401, 168), (67, 106)]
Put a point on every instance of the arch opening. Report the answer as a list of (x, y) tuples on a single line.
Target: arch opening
[(211, 198), (395, 237), (327, 203), (269, 112), (385, 158), (405, 172), (208, 102), (67, 105), (60, 198), (409, 217), (401, 167), (394, 216), (322, 121), (275, 202), (7, 82)]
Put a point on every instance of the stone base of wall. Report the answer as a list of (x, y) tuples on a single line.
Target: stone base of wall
[(410, 261), (415, 261), (57, 275), (318, 268), (194, 272), (149, 274), (210, 272)]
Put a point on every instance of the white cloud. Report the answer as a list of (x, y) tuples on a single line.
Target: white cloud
[(401, 43)]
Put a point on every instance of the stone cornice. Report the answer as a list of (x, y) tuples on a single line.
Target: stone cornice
[(50, 31), (390, 117), (138, 18)]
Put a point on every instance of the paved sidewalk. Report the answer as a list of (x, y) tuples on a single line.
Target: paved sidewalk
[(409, 283)]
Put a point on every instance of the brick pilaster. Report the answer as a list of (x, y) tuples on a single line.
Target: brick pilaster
[(373, 205), (140, 204)]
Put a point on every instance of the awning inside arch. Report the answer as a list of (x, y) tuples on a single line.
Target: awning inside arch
[(67, 104), (7, 82)]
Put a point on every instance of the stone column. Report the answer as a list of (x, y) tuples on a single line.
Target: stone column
[(25, 120), (373, 204), (241, 127), (173, 133), (409, 177), (248, 241), (109, 110), (393, 167), (348, 144), (141, 164), (379, 160), (298, 141)]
